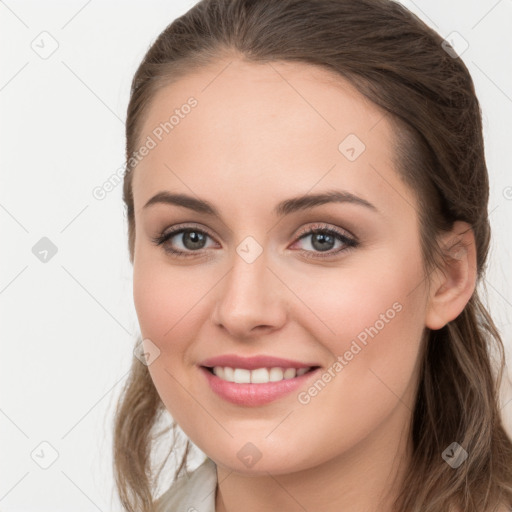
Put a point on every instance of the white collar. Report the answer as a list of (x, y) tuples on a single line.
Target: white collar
[(194, 492)]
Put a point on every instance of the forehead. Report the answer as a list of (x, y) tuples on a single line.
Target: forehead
[(286, 127)]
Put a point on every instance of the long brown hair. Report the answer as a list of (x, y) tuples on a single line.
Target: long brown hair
[(402, 66)]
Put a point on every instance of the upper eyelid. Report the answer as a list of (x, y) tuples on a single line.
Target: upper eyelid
[(320, 226), (178, 228), (314, 226)]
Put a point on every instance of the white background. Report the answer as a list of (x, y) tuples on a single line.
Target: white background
[(68, 325)]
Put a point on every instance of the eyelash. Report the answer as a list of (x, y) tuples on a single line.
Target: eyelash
[(350, 243)]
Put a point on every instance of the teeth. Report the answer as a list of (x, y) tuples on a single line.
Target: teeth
[(289, 373), (229, 374), (242, 376), (275, 374), (258, 375)]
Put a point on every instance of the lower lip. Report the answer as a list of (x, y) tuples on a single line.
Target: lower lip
[(253, 395)]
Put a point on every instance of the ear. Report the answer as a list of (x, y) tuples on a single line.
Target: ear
[(452, 285)]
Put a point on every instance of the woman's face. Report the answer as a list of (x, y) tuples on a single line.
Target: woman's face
[(347, 305)]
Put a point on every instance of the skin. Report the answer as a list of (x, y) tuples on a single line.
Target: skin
[(260, 134)]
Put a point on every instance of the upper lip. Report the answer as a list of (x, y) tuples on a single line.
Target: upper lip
[(251, 363)]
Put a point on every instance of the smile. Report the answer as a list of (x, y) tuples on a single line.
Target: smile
[(257, 387), (258, 375)]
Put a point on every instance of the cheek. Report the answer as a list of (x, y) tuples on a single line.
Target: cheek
[(380, 291), (169, 301), (154, 305), (167, 307), (372, 320), (377, 320)]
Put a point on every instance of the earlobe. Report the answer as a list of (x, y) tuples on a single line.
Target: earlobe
[(453, 285)]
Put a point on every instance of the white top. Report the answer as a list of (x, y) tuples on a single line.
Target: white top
[(194, 492)]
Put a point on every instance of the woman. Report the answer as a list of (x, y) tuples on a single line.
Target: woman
[(306, 194)]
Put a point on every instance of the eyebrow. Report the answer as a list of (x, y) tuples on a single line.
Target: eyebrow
[(285, 207)]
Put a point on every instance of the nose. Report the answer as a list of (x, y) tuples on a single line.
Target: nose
[(250, 299)]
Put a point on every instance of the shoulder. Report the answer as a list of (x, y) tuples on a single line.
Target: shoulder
[(194, 491)]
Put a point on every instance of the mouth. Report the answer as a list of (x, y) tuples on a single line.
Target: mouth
[(258, 375), (255, 381)]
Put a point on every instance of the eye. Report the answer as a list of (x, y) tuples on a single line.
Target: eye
[(192, 240), (323, 239)]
